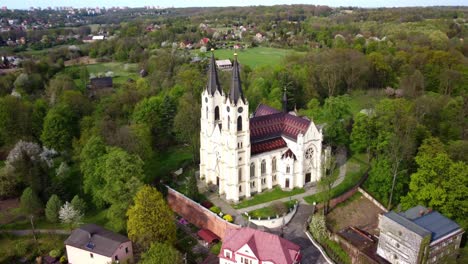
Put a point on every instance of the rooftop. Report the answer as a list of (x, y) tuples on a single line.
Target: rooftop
[(96, 239)]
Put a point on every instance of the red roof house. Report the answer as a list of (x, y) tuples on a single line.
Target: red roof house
[(247, 245)]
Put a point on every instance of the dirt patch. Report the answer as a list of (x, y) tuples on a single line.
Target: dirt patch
[(7, 210), (358, 211)]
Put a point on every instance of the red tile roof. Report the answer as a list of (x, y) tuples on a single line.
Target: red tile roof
[(269, 124), (268, 145), (265, 246), (207, 235)]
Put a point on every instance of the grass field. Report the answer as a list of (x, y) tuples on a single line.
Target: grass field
[(255, 57), (121, 71), (268, 196), (269, 211), (13, 248), (162, 164)]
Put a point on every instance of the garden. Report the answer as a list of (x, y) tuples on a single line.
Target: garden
[(274, 210), (268, 196)]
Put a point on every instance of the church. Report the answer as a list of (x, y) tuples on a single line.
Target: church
[(244, 155)]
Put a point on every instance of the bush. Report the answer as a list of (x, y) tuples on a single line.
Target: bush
[(55, 253), (215, 209), (228, 218), (21, 248), (63, 260), (216, 248)]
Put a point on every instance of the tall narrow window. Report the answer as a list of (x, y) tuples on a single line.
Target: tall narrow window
[(240, 175), (273, 165), (263, 167), (252, 170), (239, 123), (207, 112), (216, 113), (229, 122), (288, 169)]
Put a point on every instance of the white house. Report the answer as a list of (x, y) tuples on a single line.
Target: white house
[(250, 246), (245, 155), (93, 244)]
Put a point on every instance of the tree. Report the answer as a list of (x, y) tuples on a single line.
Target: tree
[(69, 215), (15, 120), (57, 86), (30, 202), (52, 209), (150, 219), (90, 156), (122, 176), (60, 126), (187, 123), (79, 204), (327, 181), (191, 186), (162, 253), (439, 182), (337, 114), (363, 135)]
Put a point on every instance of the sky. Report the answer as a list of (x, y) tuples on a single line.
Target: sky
[(25, 4)]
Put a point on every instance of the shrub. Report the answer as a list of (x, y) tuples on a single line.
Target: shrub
[(228, 218), (63, 260), (52, 208), (216, 248), (21, 248), (317, 227), (55, 253), (215, 209)]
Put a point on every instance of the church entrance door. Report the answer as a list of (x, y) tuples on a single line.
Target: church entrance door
[(307, 177), (287, 183)]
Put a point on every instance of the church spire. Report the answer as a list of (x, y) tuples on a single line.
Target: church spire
[(285, 101), (213, 81), (236, 88)]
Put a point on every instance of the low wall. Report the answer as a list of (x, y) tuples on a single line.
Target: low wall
[(372, 199), (197, 214), (319, 247), (276, 222)]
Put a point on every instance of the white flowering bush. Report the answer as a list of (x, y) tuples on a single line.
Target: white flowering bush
[(69, 215)]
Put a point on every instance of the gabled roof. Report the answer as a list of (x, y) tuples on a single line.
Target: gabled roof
[(268, 145), (265, 246), (408, 224), (235, 93), (265, 110), (213, 80), (96, 239), (268, 126)]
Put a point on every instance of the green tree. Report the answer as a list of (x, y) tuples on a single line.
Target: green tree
[(52, 208), (337, 115), (329, 178), (30, 202), (363, 135), (15, 120), (150, 219), (162, 253), (191, 186), (90, 156), (79, 204), (439, 182), (60, 126), (187, 124), (122, 174)]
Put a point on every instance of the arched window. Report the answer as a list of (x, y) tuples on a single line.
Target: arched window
[(239, 123), (207, 112), (240, 175), (240, 188), (229, 122), (263, 167), (252, 170), (273, 165), (288, 169), (216, 113)]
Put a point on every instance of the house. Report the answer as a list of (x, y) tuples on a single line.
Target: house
[(224, 64), (417, 235), (100, 86), (250, 246), (245, 154), (93, 244)]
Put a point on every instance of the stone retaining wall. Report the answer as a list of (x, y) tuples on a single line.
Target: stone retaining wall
[(276, 222)]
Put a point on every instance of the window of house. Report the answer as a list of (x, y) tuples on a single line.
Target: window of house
[(252, 170), (239, 123), (288, 169), (227, 254), (116, 257), (263, 168), (91, 255), (273, 165), (126, 250)]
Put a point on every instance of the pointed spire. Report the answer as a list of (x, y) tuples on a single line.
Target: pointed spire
[(236, 87), (213, 80), (285, 101)]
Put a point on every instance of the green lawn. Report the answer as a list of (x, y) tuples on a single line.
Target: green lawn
[(268, 196), (356, 167), (121, 71), (364, 100), (255, 57), (12, 248), (269, 211)]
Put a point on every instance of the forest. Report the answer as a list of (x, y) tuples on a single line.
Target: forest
[(391, 84)]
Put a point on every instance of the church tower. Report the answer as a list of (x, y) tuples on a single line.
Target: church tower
[(237, 135)]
